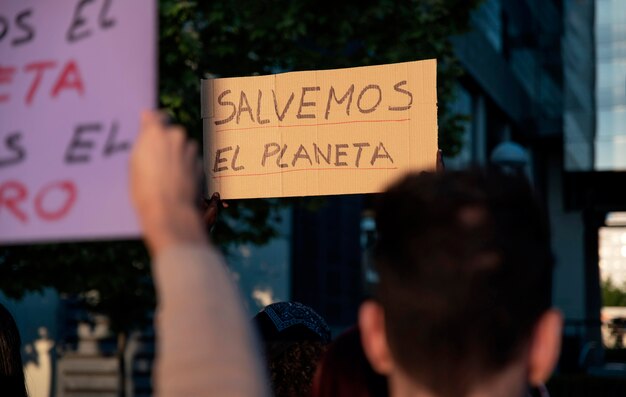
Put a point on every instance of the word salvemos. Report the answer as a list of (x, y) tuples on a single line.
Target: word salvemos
[(308, 106), (369, 98)]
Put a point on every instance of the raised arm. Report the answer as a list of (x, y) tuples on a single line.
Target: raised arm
[(205, 343)]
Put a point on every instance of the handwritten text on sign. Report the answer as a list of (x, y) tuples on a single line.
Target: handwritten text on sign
[(74, 76), (322, 132)]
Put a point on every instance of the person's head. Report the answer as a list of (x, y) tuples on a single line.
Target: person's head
[(294, 337), (463, 304), (345, 371), (11, 370)]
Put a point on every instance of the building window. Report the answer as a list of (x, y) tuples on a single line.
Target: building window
[(488, 19)]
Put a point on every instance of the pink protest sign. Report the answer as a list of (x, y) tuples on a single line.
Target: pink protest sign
[(74, 77)]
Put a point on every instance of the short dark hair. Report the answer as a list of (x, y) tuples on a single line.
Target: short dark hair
[(291, 372), (11, 370), (465, 271), (294, 337)]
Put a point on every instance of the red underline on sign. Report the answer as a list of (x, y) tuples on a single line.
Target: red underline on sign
[(307, 169), (311, 125)]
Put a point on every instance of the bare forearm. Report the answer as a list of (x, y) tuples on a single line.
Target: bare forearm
[(206, 345), (170, 227)]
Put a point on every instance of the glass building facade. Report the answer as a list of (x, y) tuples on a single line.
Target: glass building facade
[(594, 57), (610, 40), (579, 82)]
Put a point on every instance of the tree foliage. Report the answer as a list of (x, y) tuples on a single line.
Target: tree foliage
[(228, 38), (613, 295), (112, 278)]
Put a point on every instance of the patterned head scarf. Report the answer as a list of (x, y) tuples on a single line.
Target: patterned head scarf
[(291, 321)]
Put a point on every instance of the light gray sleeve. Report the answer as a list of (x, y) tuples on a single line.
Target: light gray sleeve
[(205, 341)]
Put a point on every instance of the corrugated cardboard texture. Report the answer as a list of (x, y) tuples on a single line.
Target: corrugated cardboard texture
[(323, 132)]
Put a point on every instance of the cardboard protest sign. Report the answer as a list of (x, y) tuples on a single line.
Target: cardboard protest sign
[(321, 132), (74, 76)]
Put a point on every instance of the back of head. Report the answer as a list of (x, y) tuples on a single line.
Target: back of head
[(465, 273), (294, 338), (345, 371), (11, 370)]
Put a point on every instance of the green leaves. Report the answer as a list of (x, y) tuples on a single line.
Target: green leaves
[(109, 277), (613, 295)]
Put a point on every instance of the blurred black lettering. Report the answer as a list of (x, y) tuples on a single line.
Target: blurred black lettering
[(75, 33), (77, 151), (111, 146), (12, 143), (4, 27), (105, 20), (22, 23)]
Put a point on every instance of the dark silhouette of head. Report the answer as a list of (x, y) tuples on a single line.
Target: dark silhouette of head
[(345, 371), (294, 338), (463, 302), (11, 370)]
